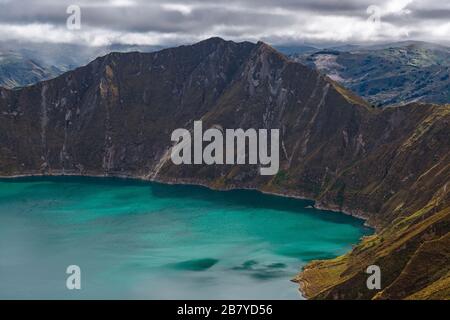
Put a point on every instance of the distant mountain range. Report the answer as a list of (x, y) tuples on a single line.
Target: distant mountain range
[(26, 64), (17, 70), (397, 73), (114, 117)]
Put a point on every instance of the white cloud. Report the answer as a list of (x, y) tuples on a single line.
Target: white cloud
[(396, 6), (182, 8), (171, 22)]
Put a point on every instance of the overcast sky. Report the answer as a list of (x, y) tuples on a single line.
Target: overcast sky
[(169, 22)]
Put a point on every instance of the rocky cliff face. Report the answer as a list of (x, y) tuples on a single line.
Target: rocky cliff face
[(115, 116)]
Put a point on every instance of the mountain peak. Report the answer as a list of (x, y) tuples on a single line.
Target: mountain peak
[(266, 49), (216, 41), (213, 40)]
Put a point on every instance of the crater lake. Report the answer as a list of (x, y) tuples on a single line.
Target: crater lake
[(141, 240)]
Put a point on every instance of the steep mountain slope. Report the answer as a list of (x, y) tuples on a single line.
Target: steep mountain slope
[(398, 73), (115, 116)]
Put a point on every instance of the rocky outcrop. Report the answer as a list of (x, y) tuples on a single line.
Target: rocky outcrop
[(115, 116)]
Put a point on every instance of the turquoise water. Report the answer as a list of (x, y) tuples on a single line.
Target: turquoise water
[(143, 240)]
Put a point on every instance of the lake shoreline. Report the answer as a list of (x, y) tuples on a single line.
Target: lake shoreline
[(316, 205)]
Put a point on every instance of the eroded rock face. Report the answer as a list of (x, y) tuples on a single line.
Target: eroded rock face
[(115, 116)]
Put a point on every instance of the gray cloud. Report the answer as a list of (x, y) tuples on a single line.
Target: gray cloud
[(173, 21), (432, 14)]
